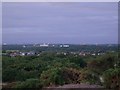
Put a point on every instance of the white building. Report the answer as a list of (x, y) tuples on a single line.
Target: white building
[(64, 45), (23, 54), (44, 45), (24, 46)]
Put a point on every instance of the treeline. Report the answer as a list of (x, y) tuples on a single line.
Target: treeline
[(71, 48), (50, 69)]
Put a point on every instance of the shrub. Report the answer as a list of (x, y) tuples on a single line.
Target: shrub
[(88, 76), (60, 76), (112, 78), (29, 83), (51, 77)]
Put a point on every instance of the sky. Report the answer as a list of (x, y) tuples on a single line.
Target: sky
[(55, 22)]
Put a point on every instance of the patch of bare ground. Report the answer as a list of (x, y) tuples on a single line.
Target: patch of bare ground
[(74, 86), (80, 86)]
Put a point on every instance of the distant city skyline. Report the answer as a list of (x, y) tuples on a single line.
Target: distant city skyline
[(63, 23)]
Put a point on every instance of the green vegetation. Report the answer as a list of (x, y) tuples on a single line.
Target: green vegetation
[(112, 78), (29, 83), (51, 69)]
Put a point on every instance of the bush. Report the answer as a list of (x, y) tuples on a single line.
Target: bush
[(9, 75), (51, 77), (29, 83), (23, 75), (78, 61), (103, 63), (112, 78), (88, 76), (59, 76)]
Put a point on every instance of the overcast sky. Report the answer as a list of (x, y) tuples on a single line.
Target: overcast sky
[(73, 23)]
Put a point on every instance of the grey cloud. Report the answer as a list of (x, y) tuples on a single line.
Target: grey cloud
[(60, 22)]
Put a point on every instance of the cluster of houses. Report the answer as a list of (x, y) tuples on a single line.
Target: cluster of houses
[(35, 53), (19, 53), (88, 53)]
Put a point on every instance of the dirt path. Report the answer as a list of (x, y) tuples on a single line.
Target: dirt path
[(74, 86), (80, 86)]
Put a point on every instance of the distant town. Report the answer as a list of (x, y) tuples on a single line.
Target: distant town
[(65, 49)]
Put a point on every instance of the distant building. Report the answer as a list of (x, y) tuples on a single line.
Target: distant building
[(4, 43), (64, 45), (22, 54), (31, 53), (82, 54), (24, 46), (44, 45), (93, 54), (100, 53), (14, 54), (61, 45), (65, 54)]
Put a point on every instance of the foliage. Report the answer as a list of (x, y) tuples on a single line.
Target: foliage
[(88, 76), (60, 76), (52, 77), (100, 64), (29, 83), (51, 69), (112, 78)]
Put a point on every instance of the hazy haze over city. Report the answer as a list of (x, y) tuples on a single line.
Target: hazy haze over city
[(72, 23)]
